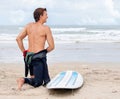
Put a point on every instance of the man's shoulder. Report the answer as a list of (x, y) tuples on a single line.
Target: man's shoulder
[(46, 27), (29, 24)]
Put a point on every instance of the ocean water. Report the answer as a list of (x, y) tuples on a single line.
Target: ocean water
[(76, 34), (70, 34), (72, 44)]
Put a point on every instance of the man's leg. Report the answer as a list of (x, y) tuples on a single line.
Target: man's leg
[(38, 73), (20, 82), (46, 76), (37, 79)]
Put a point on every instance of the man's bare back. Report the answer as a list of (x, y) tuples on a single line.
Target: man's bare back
[(37, 34), (36, 37)]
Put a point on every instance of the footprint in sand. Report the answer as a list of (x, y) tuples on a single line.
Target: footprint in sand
[(114, 91)]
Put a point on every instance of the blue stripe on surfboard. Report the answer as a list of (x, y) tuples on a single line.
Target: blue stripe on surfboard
[(58, 79), (72, 79)]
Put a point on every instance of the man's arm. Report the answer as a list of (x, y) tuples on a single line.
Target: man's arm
[(50, 39), (20, 38)]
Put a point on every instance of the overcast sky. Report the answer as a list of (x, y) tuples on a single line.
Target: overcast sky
[(62, 12)]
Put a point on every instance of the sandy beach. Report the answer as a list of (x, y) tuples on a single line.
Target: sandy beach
[(97, 62), (101, 81)]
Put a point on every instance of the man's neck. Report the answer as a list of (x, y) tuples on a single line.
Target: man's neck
[(40, 22)]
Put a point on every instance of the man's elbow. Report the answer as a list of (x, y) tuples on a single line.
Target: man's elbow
[(52, 47), (18, 39)]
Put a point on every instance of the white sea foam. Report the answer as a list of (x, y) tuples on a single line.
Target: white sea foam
[(89, 36), (68, 29)]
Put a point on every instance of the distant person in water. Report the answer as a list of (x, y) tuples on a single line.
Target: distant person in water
[(35, 55)]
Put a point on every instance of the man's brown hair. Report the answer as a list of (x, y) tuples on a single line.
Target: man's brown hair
[(38, 12)]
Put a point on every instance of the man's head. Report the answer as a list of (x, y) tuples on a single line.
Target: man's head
[(40, 14)]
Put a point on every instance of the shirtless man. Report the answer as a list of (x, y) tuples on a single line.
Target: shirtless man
[(38, 34)]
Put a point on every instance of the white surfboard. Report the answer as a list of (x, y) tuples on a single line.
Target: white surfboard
[(66, 80)]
